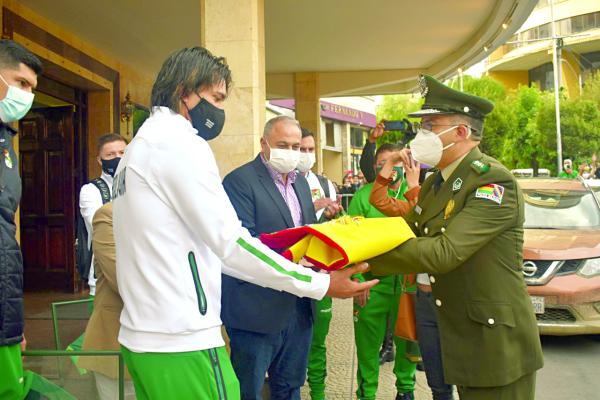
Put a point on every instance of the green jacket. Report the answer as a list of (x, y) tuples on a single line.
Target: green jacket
[(470, 241), (360, 207)]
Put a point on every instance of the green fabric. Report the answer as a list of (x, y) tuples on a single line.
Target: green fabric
[(77, 345), (317, 357), (369, 333), (272, 263), (564, 174), (360, 206), (522, 389), (44, 389), (14, 381), (203, 374), (460, 235), (370, 321)]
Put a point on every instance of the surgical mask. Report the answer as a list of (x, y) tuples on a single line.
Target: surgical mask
[(16, 103), (110, 166), (427, 147), (283, 160), (207, 119), (306, 162), (585, 175), (399, 174)]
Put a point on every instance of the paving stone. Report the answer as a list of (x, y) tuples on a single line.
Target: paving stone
[(341, 362)]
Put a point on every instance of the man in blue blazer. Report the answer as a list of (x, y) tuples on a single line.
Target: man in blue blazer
[(270, 331)]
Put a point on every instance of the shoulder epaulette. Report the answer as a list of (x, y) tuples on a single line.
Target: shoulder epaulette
[(480, 167)]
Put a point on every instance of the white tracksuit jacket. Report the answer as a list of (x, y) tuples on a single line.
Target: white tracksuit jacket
[(175, 232)]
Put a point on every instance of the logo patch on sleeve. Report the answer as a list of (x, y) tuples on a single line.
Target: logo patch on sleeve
[(491, 192)]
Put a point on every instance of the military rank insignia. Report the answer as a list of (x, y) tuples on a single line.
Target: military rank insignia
[(480, 167), (423, 88), (457, 184), (491, 192), (449, 209), (7, 159)]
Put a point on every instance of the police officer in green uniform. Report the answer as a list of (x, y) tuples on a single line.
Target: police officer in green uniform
[(370, 318), (469, 227)]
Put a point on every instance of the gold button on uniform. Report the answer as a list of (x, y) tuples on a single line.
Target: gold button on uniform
[(416, 224), (431, 278), (491, 321), (443, 229), (438, 302), (426, 230)]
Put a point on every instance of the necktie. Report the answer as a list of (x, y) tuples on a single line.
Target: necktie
[(438, 181)]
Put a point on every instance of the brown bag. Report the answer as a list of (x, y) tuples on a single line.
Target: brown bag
[(406, 326)]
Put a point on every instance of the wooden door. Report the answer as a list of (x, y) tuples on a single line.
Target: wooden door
[(46, 150)]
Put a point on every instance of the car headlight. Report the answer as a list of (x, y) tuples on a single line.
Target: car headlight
[(590, 268)]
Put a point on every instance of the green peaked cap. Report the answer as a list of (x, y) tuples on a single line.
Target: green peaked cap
[(440, 99)]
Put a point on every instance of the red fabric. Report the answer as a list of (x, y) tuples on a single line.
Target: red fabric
[(287, 237)]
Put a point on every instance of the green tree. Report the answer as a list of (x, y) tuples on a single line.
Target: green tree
[(525, 146), (591, 88), (500, 120), (397, 107), (521, 130)]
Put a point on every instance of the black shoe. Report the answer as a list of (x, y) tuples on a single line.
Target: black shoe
[(386, 355), (405, 396)]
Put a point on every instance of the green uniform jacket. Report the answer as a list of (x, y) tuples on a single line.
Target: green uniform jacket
[(473, 253)]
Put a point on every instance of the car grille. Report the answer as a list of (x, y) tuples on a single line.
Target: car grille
[(542, 266), (556, 315), (540, 272), (570, 266)]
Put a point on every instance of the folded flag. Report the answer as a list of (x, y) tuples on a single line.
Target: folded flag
[(338, 243)]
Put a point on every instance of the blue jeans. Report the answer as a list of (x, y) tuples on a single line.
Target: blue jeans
[(284, 355), (429, 343)]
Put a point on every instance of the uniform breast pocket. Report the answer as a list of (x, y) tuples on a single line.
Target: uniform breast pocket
[(491, 314)]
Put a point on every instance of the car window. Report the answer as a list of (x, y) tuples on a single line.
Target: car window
[(560, 209)]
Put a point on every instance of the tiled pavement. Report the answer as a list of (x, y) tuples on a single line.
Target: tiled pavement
[(341, 362)]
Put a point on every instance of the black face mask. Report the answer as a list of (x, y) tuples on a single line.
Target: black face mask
[(207, 119), (110, 166)]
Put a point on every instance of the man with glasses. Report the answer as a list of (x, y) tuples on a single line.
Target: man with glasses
[(469, 227)]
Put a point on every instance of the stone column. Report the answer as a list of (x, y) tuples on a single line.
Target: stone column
[(308, 109), (235, 30)]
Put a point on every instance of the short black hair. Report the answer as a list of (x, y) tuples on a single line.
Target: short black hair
[(306, 133), (388, 147), (109, 138), (12, 54), (187, 71)]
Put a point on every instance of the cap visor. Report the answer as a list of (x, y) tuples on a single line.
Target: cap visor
[(428, 111)]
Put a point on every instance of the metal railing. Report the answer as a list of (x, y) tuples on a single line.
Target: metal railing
[(85, 353)]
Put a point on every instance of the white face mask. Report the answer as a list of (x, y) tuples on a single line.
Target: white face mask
[(307, 160), (427, 147), (16, 103), (283, 160)]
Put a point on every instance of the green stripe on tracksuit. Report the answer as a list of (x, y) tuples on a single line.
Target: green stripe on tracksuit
[(317, 358), (204, 374), (369, 331)]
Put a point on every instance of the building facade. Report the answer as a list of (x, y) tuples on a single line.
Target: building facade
[(527, 56)]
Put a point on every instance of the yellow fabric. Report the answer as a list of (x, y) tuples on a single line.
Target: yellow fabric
[(348, 240)]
